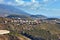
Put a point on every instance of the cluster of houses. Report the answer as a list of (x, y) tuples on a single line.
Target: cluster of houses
[(52, 21), (31, 22), (22, 21)]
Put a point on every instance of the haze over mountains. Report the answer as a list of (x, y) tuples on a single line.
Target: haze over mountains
[(8, 10)]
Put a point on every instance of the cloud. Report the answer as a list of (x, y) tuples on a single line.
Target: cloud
[(11, 3), (1, 1), (24, 3), (49, 1), (19, 1), (34, 5), (45, 0), (33, 0), (55, 0)]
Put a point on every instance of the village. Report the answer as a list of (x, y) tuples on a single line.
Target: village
[(31, 22)]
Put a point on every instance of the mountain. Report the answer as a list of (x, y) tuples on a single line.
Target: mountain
[(8, 9), (27, 16), (52, 19), (13, 11), (17, 16), (38, 16)]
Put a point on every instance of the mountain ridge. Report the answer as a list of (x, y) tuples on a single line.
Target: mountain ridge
[(7, 9)]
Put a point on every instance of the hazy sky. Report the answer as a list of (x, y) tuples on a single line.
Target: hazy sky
[(44, 7)]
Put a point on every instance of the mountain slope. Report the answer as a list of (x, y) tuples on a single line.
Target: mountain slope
[(17, 16), (38, 16), (7, 9)]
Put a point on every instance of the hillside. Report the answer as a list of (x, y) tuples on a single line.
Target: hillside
[(42, 31)]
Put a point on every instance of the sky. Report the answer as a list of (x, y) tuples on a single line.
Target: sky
[(49, 8)]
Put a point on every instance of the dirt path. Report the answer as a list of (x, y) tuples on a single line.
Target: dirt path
[(4, 32)]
